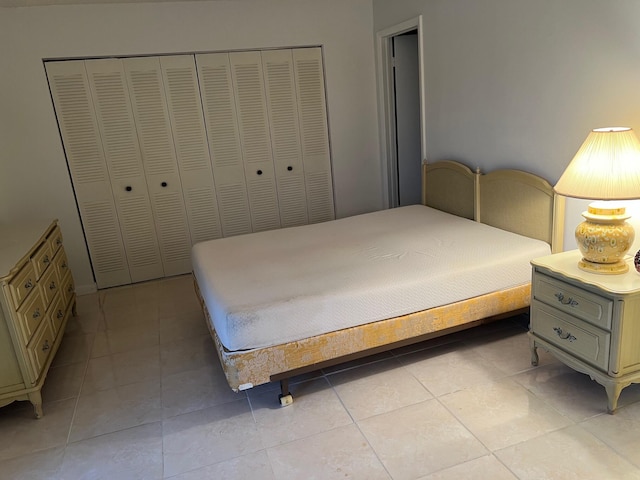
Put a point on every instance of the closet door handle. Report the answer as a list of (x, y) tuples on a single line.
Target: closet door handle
[(289, 168), (259, 172), (163, 184), (128, 188)]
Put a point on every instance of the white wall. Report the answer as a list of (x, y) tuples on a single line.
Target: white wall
[(34, 180), (520, 83)]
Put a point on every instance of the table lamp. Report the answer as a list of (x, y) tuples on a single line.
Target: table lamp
[(606, 168)]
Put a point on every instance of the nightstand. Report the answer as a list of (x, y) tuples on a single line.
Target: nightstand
[(588, 321)]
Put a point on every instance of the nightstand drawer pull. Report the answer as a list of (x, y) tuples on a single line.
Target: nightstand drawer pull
[(566, 301), (564, 335)]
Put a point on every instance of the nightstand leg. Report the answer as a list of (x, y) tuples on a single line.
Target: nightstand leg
[(613, 393), (534, 352)]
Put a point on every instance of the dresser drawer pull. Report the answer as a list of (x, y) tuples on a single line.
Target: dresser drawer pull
[(60, 314), (36, 313), (564, 335), (46, 346), (29, 284), (52, 286), (46, 260), (566, 300), (58, 241)]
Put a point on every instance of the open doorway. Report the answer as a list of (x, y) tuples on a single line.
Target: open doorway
[(401, 81)]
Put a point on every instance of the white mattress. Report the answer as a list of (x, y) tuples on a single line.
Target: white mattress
[(284, 285)]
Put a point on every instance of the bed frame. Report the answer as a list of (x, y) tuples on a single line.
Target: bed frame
[(508, 199)]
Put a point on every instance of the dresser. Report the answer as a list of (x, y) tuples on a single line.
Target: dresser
[(590, 322), (37, 296)]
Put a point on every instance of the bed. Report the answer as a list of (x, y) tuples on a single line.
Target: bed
[(284, 302)]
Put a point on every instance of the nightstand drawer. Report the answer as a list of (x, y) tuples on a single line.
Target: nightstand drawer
[(580, 339), (574, 301)]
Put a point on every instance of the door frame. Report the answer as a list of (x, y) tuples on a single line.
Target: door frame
[(386, 100)]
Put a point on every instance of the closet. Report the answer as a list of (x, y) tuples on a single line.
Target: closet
[(168, 151)]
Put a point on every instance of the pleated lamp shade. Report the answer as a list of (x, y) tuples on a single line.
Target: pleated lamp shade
[(606, 167)]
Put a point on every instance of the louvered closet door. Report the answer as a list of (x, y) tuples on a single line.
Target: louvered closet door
[(189, 135), (314, 133), (122, 152), (85, 156), (248, 82), (146, 91), (282, 106), (216, 89)]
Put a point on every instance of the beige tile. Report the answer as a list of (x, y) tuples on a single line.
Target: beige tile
[(74, 348), (135, 453), (120, 369), (127, 316), (108, 342), (43, 465), (315, 408), (22, 433), (63, 382), (508, 351), (116, 409), (377, 388), (192, 390), (483, 468), (619, 431), (250, 467), (83, 323), (88, 303), (182, 325), (420, 439), (209, 436), (188, 354), (449, 368), (568, 454), (339, 453), (137, 293), (572, 393), (503, 413)]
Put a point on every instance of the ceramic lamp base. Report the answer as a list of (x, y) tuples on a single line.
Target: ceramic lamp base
[(603, 268), (604, 238)]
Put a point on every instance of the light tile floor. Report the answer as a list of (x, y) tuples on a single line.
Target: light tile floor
[(136, 391)]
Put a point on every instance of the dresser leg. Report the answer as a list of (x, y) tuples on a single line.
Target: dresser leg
[(36, 399)]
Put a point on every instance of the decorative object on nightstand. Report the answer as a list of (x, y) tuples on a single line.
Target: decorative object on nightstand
[(606, 167), (37, 297), (589, 322)]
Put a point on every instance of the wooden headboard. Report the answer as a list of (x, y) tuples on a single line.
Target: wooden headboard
[(512, 200)]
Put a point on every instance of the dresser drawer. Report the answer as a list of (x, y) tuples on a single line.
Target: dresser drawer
[(67, 287), (49, 285), (42, 259), (55, 240), (579, 303), (22, 284), (57, 312), (61, 263), (578, 338), (30, 314), (40, 348)]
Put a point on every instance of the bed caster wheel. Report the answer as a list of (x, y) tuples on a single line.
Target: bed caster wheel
[(285, 400)]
